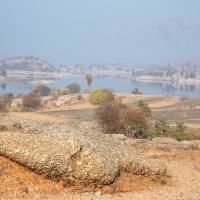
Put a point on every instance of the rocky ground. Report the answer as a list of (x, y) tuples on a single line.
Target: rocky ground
[(182, 180)]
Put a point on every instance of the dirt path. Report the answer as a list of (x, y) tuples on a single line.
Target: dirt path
[(163, 104)]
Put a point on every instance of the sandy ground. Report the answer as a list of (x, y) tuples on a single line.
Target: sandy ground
[(182, 180)]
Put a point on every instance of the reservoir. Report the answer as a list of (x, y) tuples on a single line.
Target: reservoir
[(117, 85)]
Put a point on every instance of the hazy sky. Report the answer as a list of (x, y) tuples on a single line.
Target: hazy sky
[(83, 31)]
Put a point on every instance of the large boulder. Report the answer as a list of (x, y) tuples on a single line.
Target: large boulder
[(63, 100), (77, 156)]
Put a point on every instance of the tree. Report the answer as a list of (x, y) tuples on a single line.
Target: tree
[(186, 75), (136, 91), (3, 73), (182, 73), (89, 79), (179, 132), (142, 106), (180, 127), (161, 126), (3, 86), (74, 88), (43, 90), (192, 74)]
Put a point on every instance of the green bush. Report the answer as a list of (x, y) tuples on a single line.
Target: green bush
[(13, 109), (74, 88), (161, 126), (43, 90), (141, 105), (20, 109), (64, 91), (161, 129), (102, 95), (179, 132), (136, 91)]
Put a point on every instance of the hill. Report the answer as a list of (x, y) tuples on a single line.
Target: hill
[(30, 63), (173, 39), (188, 71)]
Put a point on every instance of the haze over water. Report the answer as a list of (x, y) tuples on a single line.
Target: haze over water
[(101, 32)]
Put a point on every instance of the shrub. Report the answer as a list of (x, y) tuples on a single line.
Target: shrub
[(3, 107), (3, 72), (74, 88), (64, 91), (136, 91), (102, 95), (191, 134), (55, 92), (80, 98), (133, 121), (180, 131), (114, 118), (141, 105), (5, 102), (180, 127), (161, 126), (108, 116), (31, 100), (20, 109), (8, 96), (43, 90), (160, 129), (13, 109)]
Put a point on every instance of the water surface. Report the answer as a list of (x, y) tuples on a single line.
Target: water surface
[(116, 84)]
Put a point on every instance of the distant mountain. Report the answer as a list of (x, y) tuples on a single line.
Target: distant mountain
[(180, 29), (30, 63), (172, 40)]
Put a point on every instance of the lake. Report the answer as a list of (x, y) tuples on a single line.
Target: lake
[(116, 84)]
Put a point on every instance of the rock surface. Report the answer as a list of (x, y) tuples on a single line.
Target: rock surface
[(73, 153)]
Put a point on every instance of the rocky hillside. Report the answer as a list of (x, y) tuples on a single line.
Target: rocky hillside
[(30, 63), (178, 71)]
